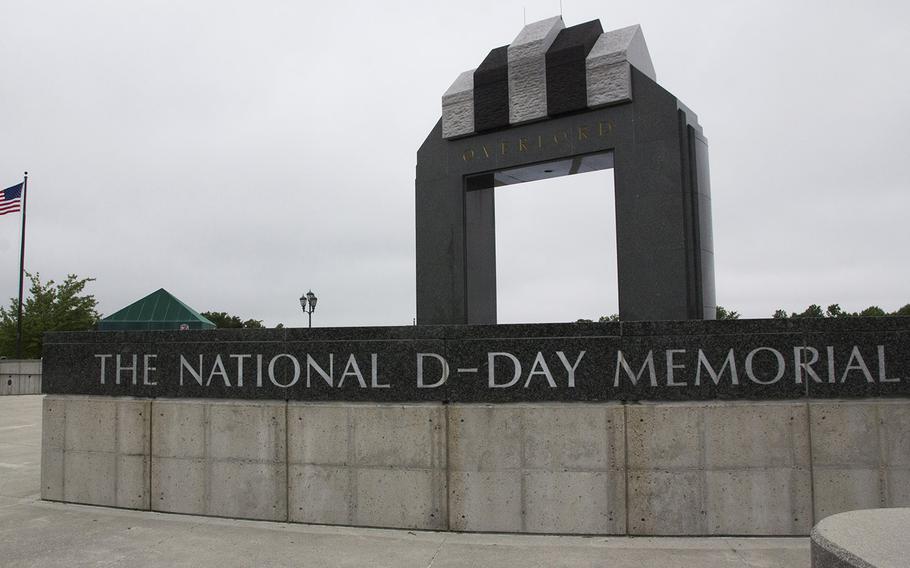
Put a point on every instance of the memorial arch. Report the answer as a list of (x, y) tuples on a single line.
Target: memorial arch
[(560, 101)]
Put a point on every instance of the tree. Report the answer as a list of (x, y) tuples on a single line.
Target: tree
[(601, 319), (223, 320), (873, 311), (835, 311), (723, 314), (47, 307), (813, 311)]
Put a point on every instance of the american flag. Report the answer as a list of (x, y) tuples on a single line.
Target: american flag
[(10, 198)]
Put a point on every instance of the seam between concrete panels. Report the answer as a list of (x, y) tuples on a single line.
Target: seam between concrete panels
[(882, 480), (206, 491), (523, 486), (625, 458), (448, 469), (116, 451), (794, 471), (151, 430), (287, 464), (610, 471), (63, 455), (703, 478), (352, 469), (812, 513)]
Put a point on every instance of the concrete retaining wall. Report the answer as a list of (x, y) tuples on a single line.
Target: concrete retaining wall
[(20, 376), (737, 468)]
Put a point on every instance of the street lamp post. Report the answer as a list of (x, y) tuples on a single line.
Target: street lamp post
[(308, 303)]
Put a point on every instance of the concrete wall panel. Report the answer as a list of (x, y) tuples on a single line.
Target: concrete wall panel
[(368, 464), (405, 498), (319, 434), (719, 468), (20, 377), (573, 502), (486, 501), (95, 450), (860, 454), (321, 494), (179, 485), (400, 436), (51, 474), (547, 468), (221, 458), (90, 478), (178, 429), (485, 437), (247, 489), (711, 468), (763, 501)]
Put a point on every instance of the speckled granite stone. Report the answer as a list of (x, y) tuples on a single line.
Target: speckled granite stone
[(458, 107), (528, 70), (630, 361), (609, 78)]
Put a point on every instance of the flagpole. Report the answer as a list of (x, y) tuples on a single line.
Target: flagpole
[(21, 272)]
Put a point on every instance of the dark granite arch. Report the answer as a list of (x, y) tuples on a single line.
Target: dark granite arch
[(663, 204)]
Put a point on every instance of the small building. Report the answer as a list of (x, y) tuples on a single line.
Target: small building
[(160, 310)]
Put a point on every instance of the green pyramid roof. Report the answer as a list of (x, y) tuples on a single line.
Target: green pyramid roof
[(158, 310)]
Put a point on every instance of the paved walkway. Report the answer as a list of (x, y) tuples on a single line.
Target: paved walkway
[(37, 533)]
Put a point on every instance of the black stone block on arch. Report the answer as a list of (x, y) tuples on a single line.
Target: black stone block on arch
[(566, 88), (491, 91)]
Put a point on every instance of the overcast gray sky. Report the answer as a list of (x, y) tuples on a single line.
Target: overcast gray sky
[(240, 153)]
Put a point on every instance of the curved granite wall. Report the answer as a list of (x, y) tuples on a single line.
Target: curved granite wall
[(862, 539)]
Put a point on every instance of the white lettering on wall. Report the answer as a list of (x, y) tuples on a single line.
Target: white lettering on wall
[(798, 364), (443, 377), (133, 369), (240, 358), (351, 369), (312, 365), (103, 358), (374, 373), (781, 365), (856, 363), (882, 372), (147, 368), (570, 369), (218, 369), (196, 373), (539, 367), (491, 364), (294, 362), (621, 363), (703, 362), (671, 366)]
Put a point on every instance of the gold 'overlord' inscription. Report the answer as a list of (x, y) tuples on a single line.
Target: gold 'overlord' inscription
[(539, 142)]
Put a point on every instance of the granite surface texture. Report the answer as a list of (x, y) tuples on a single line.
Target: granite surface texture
[(566, 73), (628, 361), (491, 91), (528, 69), (873, 538), (546, 71), (458, 107)]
